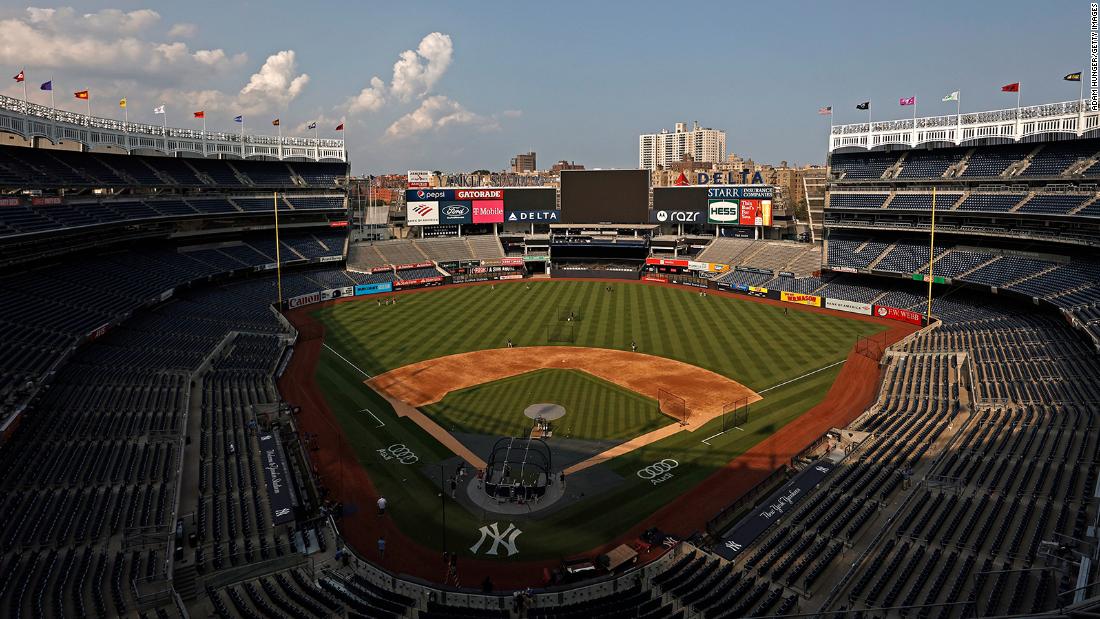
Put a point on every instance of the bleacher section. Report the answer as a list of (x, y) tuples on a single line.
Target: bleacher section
[(364, 256), (36, 167), (775, 256)]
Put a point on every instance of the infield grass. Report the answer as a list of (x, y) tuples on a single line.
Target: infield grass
[(594, 408), (753, 343)]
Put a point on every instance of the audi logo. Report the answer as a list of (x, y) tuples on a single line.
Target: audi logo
[(658, 468), (403, 454)]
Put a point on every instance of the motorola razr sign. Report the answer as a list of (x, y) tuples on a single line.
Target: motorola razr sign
[(668, 216)]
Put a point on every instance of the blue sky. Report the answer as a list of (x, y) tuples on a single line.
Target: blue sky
[(570, 80)]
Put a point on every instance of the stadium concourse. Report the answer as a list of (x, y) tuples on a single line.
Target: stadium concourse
[(154, 465)]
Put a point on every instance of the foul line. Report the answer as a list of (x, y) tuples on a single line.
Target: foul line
[(369, 412), (357, 368), (360, 370), (786, 382)]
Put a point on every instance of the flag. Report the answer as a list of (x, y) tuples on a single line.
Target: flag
[(275, 123), (340, 127), (1013, 87), (122, 103), (826, 111), (83, 94), (907, 101), (952, 97), (20, 77), (1073, 77), (200, 114), (312, 125), (866, 105), (238, 119), (159, 109), (46, 85)]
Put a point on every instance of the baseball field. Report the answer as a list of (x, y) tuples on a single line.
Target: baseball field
[(786, 360)]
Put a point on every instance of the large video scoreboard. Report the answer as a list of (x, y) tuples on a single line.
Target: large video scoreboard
[(736, 205)]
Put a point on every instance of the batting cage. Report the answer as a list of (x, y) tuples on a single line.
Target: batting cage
[(872, 346), (561, 333), (736, 414), (568, 313), (673, 405), (518, 470)]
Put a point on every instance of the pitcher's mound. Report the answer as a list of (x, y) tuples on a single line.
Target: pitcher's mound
[(549, 412)]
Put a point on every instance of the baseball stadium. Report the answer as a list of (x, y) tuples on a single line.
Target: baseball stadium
[(239, 380)]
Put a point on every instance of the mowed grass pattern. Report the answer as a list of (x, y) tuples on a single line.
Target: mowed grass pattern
[(595, 409), (752, 343)]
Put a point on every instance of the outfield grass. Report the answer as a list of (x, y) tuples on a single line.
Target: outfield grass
[(751, 342), (595, 409)]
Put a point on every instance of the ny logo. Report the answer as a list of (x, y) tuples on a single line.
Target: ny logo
[(734, 546), (282, 511), (493, 531)]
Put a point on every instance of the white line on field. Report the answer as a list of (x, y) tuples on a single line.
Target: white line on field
[(357, 368), (369, 412), (786, 382)]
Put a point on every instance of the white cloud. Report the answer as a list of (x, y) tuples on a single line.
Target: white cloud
[(438, 112), (218, 57), (108, 42), (183, 30), (370, 98), (275, 81), (416, 72)]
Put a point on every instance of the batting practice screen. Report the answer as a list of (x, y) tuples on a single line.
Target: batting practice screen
[(605, 196)]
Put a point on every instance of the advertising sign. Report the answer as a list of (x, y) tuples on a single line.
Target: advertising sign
[(782, 501), (511, 262), (536, 258), (421, 195), (893, 313), (422, 214), (420, 281), (757, 291), (99, 331), (279, 491), (385, 269), (488, 211), (330, 258), (413, 265), (799, 298), (336, 293), (749, 213), (759, 192), (419, 178), (305, 299), (479, 194), (677, 217), (668, 262), (343, 223), (764, 213), (456, 213), (532, 217), (722, 211), (45, 201), (365, 289), (854, 307), (9, 201)]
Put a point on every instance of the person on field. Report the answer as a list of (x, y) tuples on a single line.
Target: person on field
[(633, 346), (454, 487), (381, 506), (382, 547)]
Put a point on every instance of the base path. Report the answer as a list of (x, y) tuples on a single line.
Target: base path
[(706, 393), (418, 384)]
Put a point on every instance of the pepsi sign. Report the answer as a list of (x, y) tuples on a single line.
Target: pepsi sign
[(424, 195), (528, 217)]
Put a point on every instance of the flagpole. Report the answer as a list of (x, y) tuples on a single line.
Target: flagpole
[(958, 118), (931, 254), (26, 103), (1019, 87), (278, 257), (126, 121), (204, 133)]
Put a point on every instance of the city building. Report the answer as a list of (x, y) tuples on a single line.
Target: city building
[(557, 168), (524, 162), (705, 145)]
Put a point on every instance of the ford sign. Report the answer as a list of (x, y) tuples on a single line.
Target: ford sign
[(455, 210)]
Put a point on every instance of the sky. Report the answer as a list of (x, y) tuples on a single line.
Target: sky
[(463, 85)]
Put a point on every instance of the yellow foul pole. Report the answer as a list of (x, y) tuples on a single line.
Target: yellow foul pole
[(931, 255), (278, 258)]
